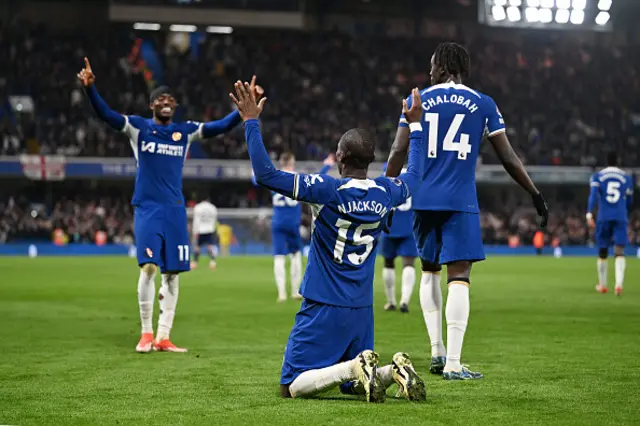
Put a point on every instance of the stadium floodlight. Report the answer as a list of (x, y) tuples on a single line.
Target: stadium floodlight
[(500, 2), (602, 18), (179, 28), (604, 5), (547, 3), (562, 16), (217, 29), (579, 4), (498, 13), (545, 15), (516, 3), (533, 3), (531, 14), (577, 16), (146, 26), (563, 4), (513, 14)]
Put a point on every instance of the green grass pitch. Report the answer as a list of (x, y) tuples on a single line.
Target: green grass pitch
[(553, 351)]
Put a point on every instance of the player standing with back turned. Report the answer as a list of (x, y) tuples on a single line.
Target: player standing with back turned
[(611, 190), (160, 147), (446, 218)]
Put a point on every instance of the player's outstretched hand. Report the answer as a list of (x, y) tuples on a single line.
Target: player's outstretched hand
[(330, 160), (413, 114), (257, 90), (245, 100), (541, 208), (85, 75)]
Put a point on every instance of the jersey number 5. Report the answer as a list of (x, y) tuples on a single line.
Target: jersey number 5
[(357, 240), (613, 192), (462, 148)]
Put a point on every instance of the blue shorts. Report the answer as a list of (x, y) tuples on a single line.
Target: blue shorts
[(448, 236), (207, 239), (286, 241), (392, 247), (162, 237), (611, 230), (324, 335)]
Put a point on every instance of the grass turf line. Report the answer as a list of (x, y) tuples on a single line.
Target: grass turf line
[(553, 350)]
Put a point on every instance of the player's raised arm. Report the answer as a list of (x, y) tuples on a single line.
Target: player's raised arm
[(294, 186), (231, 120), (594, 193), (400, 145), (516, 170), (327, 164), (106, 114), (413, 176)]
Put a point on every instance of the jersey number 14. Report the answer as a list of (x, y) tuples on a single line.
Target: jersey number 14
[(462, 148)]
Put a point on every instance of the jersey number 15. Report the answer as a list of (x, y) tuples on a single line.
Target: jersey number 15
[(357, 240), (448, 144)]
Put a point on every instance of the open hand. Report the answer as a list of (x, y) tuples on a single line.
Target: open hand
[(413, 114), (245, 100), (330, 160), (85, 75)]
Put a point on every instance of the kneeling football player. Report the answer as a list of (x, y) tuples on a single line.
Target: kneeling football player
[(331, 342)]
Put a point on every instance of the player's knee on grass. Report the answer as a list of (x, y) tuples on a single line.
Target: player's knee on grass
[(389, 263), (603, 253), (149, 269), (458, 271), (618, 251), (430, 267), (408, 261)]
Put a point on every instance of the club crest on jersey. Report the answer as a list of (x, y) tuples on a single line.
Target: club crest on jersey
[(149, 252), (176, 136)]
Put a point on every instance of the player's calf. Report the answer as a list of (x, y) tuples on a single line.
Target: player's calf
[(146, 295)]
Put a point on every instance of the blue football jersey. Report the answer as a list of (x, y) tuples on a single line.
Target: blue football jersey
[(455, 118), (611, 189), (350, 214), (160, 151), (287, 213)]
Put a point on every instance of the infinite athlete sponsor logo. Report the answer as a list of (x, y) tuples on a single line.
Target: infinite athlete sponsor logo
[(162, 149)]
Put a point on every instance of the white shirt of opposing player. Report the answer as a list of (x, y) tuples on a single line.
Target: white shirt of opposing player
[(205, 218)]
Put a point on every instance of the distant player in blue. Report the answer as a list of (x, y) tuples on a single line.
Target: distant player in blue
[(332, 340), (446, 214), (611, 191), (398, 240), (160, 147), (285, 233)]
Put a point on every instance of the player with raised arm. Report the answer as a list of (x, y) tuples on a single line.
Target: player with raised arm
[(160, 147), (398, 240), (611, 191), (332, 340), (446, 214), (204, 226), (285, 232)]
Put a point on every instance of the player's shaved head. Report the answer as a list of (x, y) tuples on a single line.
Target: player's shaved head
[(356, 150), (450, 60)]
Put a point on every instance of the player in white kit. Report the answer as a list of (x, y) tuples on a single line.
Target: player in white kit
[(205, 223)]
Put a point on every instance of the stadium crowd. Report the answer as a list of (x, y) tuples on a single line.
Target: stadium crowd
[(80, 219), (561, 105)]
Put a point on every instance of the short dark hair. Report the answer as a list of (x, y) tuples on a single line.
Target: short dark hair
[(359, 148), (287, 156), (453, 58), (159, 91), (612, 159)]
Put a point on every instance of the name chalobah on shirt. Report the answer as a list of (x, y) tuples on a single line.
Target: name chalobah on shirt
[(363, 206), (163, 149), (449, 99)]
